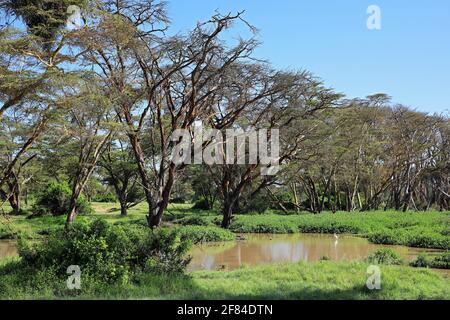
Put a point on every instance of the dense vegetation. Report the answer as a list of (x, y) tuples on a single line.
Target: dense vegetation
[(415, 229), (131, 265), (74, 127), (321, 280), (91, 114)]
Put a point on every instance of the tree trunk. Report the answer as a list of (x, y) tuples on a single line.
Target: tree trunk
[(123, 207), (73, 210), (227, 212), (155, 218), (14, 194), (145, 179), (14, 201), (71, 216)]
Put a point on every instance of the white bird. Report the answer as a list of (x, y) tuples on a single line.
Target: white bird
[(336, 236)]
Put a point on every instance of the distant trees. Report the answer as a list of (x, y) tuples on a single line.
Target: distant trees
[(120, 171), (377, 156), (270, 100)]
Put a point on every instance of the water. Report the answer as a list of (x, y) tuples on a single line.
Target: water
[(259, 249), (263, 249), (7, 248)]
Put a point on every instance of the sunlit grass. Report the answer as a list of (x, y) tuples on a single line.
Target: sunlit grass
[(417, 229), (321, 280)]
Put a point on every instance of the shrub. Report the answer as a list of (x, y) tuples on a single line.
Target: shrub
[(55, 200), (164, 252), (83, 206), (258, 203), (199, 234), (420, 262), (202, 204), (385, 256), (107, 197), (193, 221), (441, 261), (107, 253)]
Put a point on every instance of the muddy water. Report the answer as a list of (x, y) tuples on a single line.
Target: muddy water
[(263, 249), (7, 248)]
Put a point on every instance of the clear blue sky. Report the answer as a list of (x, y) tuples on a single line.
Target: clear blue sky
[(409, 58)]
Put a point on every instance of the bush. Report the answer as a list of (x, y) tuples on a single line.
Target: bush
[(107, 197), (441, 261), (55, 200), (164, 252), (258, 203), (420, 262), (198, 234), (411, 237), (193, 221), (107, 253), (202, 204), (385, 256)]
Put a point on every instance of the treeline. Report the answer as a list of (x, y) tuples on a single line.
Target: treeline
[(93, 108)]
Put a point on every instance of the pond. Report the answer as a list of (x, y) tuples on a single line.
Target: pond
[(263, 248), (7, 248), (255, 249)]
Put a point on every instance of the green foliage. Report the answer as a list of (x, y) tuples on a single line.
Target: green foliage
[(420, 262), (321, 280), (55, 200), (424, 230), (107, 253), (199, 234), (42, 17), (105, 197), (164, 252), (202, 204), (412, 237), (441, 261), (193, 220), (259, 204), (385, 256)]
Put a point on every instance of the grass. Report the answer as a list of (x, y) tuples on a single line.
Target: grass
[(414, 229), (320, 280), (439, 261)]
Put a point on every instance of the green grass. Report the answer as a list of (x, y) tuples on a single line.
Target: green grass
[(439, 261), (198, 234), (321, 280), (414, 229)]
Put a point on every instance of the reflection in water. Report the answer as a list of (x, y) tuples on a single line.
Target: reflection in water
[(260, 249), (263, 248)]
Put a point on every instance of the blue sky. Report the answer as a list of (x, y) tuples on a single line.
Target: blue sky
[(409, 58)]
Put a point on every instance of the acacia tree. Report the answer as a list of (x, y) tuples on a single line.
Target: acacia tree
[(30, 77), (159, 84), (88, 128), (279, 100), (120, 171)]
